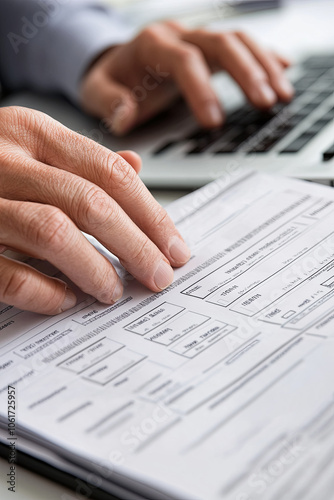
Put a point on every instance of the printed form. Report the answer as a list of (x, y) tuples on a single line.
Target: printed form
[(221, 386)]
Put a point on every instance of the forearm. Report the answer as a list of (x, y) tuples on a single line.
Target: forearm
[(48, 44)]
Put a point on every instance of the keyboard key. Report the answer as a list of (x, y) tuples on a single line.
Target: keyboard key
[(326, 93), (164, 148), (308, 108), (240, 139), (329, 153), (321, 96), (274, 138), (232, 142), (265, 146), (300, 92), (319, 62), (257, 117), (316, 71), (229, 147), (207, 140), (198, 135), (325, 84), (329, 115), (317, 126), (298, 143), (247, 123), (237, 115), (296, 119), (305, 82)]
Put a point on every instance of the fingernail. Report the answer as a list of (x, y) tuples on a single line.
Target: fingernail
[(163, 275), (214, 113), (118, 291), (287, 88), (70, 300), (265, 95), (179, 251)]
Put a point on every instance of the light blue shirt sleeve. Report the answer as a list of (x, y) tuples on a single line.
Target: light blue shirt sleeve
[(48, 44)]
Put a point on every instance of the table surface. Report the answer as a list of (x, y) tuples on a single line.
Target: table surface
[(30, 486)]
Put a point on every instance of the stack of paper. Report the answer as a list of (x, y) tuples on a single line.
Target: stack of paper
[(220, 387)]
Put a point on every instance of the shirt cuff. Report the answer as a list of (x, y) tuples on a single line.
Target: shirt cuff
[(75, 43)]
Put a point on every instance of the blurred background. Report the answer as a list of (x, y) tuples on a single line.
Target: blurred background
[(293, 27), (191, 12)]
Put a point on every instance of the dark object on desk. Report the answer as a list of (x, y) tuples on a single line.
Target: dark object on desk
[(58, 476), (329, 154)]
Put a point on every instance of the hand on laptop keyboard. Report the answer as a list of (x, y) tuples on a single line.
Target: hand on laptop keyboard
[(248, 130), (129, 84)]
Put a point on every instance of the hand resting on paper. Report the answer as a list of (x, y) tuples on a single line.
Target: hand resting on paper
[(55, 183)]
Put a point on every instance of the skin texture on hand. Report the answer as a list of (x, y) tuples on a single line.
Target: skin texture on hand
[(54, 184), (130, 83)]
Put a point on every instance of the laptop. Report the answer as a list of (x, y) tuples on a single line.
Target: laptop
[(294, 139)]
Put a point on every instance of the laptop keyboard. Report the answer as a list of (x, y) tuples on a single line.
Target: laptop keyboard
[(250, 131)]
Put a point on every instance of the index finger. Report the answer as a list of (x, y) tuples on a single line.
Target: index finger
[(163, 48), (272, 66), (62, 148)]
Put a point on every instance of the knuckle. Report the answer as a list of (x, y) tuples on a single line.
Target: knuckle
[(272, 66), (25, 125), (203, 32), (51, 229), (223, 40), (6, 157), (187, 54), (240, 34), (14, 284), (249, 75), (143, 253), (12, 114), (122, 176), (31, 119), (150, 34), (159, 219), (95, 206), (274, 72)]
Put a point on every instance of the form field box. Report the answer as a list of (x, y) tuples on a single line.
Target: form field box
[(154, 318)]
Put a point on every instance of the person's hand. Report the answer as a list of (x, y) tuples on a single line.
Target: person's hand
[(130, 83), (54, 183)]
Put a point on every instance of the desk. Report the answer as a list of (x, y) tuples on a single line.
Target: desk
[(31, 486)]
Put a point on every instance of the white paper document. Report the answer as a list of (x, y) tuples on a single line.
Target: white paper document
[(221, 386)]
